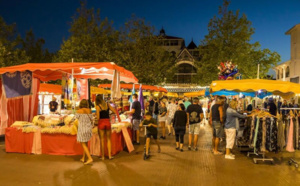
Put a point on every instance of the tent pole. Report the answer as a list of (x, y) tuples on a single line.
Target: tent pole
[(72, 86)]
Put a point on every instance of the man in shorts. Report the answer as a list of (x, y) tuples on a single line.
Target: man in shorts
[(136, 118), (151, 128), (217, 123), (195, 115)]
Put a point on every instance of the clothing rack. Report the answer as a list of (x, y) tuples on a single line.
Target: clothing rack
[(292, 161), (263, 158)]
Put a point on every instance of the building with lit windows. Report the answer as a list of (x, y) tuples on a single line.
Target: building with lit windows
[(290, 70), (185, 63)]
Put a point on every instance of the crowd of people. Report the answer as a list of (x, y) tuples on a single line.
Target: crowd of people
[(173, 117)]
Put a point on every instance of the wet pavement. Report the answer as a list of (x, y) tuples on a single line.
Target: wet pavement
[(170, 167)]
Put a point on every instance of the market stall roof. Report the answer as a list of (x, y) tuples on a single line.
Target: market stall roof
[(57, 89), (137, 87), (172, 94), (281, 88), (51, 88), (87, 70), (195, 94)]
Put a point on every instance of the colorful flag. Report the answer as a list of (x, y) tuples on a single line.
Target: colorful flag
[(132, 92), (141, 98), (17, 84), (82, 89)]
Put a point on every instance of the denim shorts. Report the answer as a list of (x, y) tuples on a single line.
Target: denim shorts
[(218, 129)]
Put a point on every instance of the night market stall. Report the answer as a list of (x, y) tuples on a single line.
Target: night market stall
[(147, 90), (52, 134), (265, 132)]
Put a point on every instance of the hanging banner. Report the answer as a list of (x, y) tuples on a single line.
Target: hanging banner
[(65, 92), (17, 84), (82, 89)]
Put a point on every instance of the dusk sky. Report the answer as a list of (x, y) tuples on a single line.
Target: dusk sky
[(187, 19)]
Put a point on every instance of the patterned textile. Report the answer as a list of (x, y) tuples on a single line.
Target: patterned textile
[(17, 84), (271, 135), (85, 127)]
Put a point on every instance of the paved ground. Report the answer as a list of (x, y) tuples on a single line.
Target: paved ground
[(170, 167)]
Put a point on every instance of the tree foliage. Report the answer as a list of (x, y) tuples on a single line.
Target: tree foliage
[(134, 46), (10, 46), (91, 38), (140, 53), (229, 39), (34, 49)]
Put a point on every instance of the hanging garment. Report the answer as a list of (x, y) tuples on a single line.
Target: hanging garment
[(247, 130), (252, 129), (290, 145), (287, 127), (280, 135), (272, 134), (257, 136), (264, 132)]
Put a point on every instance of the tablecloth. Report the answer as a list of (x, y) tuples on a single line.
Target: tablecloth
[(58, 144)]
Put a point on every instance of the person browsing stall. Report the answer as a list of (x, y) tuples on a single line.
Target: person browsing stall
[(85, 126), (216, 121), (136, 117), (230, 127), (104, 125), (151, 128)]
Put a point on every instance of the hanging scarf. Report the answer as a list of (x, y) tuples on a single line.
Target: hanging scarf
[(255, 134), (252, 129)]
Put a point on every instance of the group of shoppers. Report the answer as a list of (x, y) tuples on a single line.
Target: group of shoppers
[(160, 113), (86, 124)]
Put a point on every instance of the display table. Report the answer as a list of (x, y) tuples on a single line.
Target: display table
[(58, 144)]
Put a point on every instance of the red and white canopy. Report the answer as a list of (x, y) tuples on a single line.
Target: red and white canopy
[(86, 70)]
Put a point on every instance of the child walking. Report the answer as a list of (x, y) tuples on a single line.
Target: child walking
[(151, 131)]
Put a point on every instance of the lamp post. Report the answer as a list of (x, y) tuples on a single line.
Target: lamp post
[(258, 71)]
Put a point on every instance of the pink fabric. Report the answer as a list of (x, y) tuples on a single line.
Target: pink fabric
[(34, 98), (3, 110), (290, 143), (127, 140), (95, 145), (117, 144), (37, 144), (26, 108)]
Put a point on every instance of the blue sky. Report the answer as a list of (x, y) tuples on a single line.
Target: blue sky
[(50, 19)]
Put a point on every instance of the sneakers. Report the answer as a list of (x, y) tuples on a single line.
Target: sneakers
[(195, 149), (230, 157), (190, 148)]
